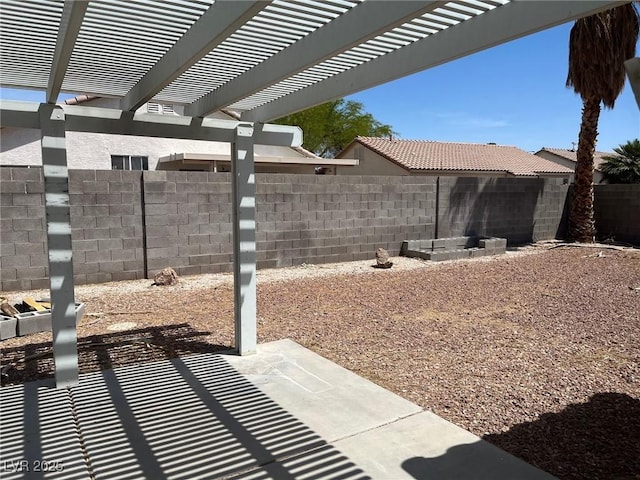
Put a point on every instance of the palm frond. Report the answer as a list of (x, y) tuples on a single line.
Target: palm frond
[(624, 167), (598, 47)]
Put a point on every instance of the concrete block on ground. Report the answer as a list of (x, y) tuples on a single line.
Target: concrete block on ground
[(424, 254), (426, 244), (439, 256), (456, 243), (411, 245), (439, 244), (500, 245), (8, 327), (34, 322), (458, 254), (477, 252), (470, 242)]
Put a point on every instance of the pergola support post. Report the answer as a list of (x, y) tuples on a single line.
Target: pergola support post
[(244, 239), (56, 191)]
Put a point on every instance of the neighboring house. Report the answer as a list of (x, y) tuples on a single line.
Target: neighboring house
[(567, 158), (390, 156), (21, 147)]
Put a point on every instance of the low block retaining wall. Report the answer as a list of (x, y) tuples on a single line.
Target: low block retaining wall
[(129, 225), (453, 248), (31, 322)]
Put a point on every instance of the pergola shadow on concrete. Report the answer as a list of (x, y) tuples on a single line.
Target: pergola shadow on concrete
[(284, 413), (262, 59)]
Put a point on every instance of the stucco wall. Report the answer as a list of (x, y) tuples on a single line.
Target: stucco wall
[(93, 150), (370, 163), (597, 176)]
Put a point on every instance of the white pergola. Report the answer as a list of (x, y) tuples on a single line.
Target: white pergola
[(262, 59)]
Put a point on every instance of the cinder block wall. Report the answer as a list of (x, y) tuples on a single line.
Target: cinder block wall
[(617, 212), (106, 227), (299, 218), (321, 219), (23, 242), (129, 225), (518, 209), (187, 217)]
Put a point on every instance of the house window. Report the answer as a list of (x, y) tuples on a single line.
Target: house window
[(129, 162)]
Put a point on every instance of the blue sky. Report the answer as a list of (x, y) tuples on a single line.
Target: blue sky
[(512, 94)]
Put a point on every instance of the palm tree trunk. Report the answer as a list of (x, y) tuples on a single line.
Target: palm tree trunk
[(581, 224)]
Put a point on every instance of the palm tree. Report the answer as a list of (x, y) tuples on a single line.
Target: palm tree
[(625, 166), (598, 46)]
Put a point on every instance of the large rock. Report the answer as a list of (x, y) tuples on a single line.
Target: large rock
[(167, 276), (382, 258)]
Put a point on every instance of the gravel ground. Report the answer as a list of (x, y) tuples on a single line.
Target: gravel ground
[(537, 351)]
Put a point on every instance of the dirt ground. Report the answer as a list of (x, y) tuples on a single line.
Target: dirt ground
[(537, 351)]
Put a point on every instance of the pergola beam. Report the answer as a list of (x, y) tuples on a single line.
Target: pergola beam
[(216, 24), (511, 21), (633, 73), (337, 36), (70, 23), (118, 122)]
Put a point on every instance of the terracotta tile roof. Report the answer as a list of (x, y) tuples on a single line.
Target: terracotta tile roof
[(571, 155), (429, 155)]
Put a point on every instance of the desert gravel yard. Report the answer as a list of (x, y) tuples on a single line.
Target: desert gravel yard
[(537, 351)]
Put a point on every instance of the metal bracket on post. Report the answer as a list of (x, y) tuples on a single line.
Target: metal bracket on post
[(56, 191), (244, 239)]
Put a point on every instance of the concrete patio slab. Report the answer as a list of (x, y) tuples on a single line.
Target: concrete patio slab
[(408, 449), (284, 413), (38, 434), (333, 401)]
